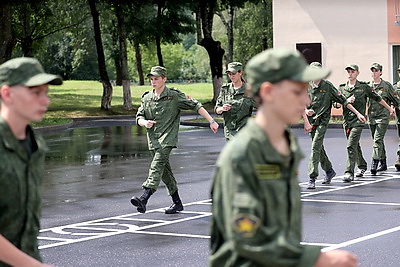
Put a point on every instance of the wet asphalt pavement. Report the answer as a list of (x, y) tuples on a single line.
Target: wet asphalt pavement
[(93, 169)]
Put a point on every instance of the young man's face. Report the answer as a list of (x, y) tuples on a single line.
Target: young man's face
[(375, 74), (352, 74), (289, 101), (29, 103), (158, 82)]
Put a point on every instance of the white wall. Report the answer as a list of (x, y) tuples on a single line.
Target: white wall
[(349, 31)]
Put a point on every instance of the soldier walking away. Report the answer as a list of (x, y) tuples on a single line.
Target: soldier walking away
[(379, 117), (256, 206), (160, 112), (232, 101), (23, 96), (316, 119), (357, 93)]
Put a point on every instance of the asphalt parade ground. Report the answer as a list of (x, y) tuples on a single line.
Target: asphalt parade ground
[(93, 169)]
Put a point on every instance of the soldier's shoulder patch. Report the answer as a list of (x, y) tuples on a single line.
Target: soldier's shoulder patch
[(246, 224), (268, 171)]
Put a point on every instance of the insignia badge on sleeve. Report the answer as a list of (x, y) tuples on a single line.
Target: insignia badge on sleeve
[(246, 224)]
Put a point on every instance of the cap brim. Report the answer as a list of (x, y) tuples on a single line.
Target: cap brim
[(311, 74), (154, 74), (43, 78)]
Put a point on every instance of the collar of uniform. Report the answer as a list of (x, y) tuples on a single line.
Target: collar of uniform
[(165, 92), (12, 143), (262, 137), (239, 90)]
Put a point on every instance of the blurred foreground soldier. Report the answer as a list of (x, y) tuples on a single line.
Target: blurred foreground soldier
[(357, 93), (232, 102), (316, 119), (397, 89), (23, 96), (379, 117), (160, 113), (256, 206)]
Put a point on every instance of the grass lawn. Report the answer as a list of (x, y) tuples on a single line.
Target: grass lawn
[(83, 99)]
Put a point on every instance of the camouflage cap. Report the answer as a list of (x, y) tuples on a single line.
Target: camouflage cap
[(158, 71), (234, 67), (352, 66), (274, 65), (316, 64), (26, 71), (376, 66)]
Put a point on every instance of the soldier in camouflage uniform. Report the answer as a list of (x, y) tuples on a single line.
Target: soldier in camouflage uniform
[(232, 102), (379, 117), (397, 88), (23, 98), (357, 93), (256, 206), (160, 112), (316, 119)]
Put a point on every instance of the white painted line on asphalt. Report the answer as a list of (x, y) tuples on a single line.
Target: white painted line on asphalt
[(173, 234), (361, 239), (350, 202), (348, 187)]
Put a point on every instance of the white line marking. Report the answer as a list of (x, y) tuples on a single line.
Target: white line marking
[(350, 202), (361, 239)]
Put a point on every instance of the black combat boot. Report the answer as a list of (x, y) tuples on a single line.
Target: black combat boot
[(141, 202), (383, 166), (374, 166), (397, 164), (176, 205)]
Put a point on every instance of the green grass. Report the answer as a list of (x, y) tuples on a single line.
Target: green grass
[(75, 99)]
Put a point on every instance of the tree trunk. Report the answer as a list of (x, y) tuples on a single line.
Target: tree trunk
[(126, 84), (228, 23), (107, 88), (7, 40), (117, 58), (26, 41), (214, 49), (139, 65), (158, 38)]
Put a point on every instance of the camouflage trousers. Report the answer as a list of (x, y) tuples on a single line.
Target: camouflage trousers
[(318, 153), (354, 152), (160, 170), (378, 132)]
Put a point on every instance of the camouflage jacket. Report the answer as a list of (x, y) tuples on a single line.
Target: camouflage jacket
[(361, 91), (376, 112), (165, 110), (241, 110), (20, 190), (256, 204)]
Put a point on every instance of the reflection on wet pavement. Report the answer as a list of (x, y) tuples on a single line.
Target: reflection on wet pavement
[(78, 159)]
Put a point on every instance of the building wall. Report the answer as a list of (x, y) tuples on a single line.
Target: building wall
[(353, 31)]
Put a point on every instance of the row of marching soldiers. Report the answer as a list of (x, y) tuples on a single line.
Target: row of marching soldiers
[(355, 96)]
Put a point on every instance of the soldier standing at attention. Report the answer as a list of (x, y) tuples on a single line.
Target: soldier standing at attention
[(232, 102), (160, 112), (397, 90), (356, 93), (379, 117), (256, 206), (316, 119), (23, 96)]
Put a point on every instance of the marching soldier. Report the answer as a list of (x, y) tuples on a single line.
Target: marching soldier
[(232, 102), (160, 112)]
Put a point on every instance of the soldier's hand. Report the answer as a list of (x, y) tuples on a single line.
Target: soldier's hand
[(310, 112), (226, 107), (361, 117), (337, 258), (307, 127), (149, 124), (214, 126), (392, 113), (351, 99)]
